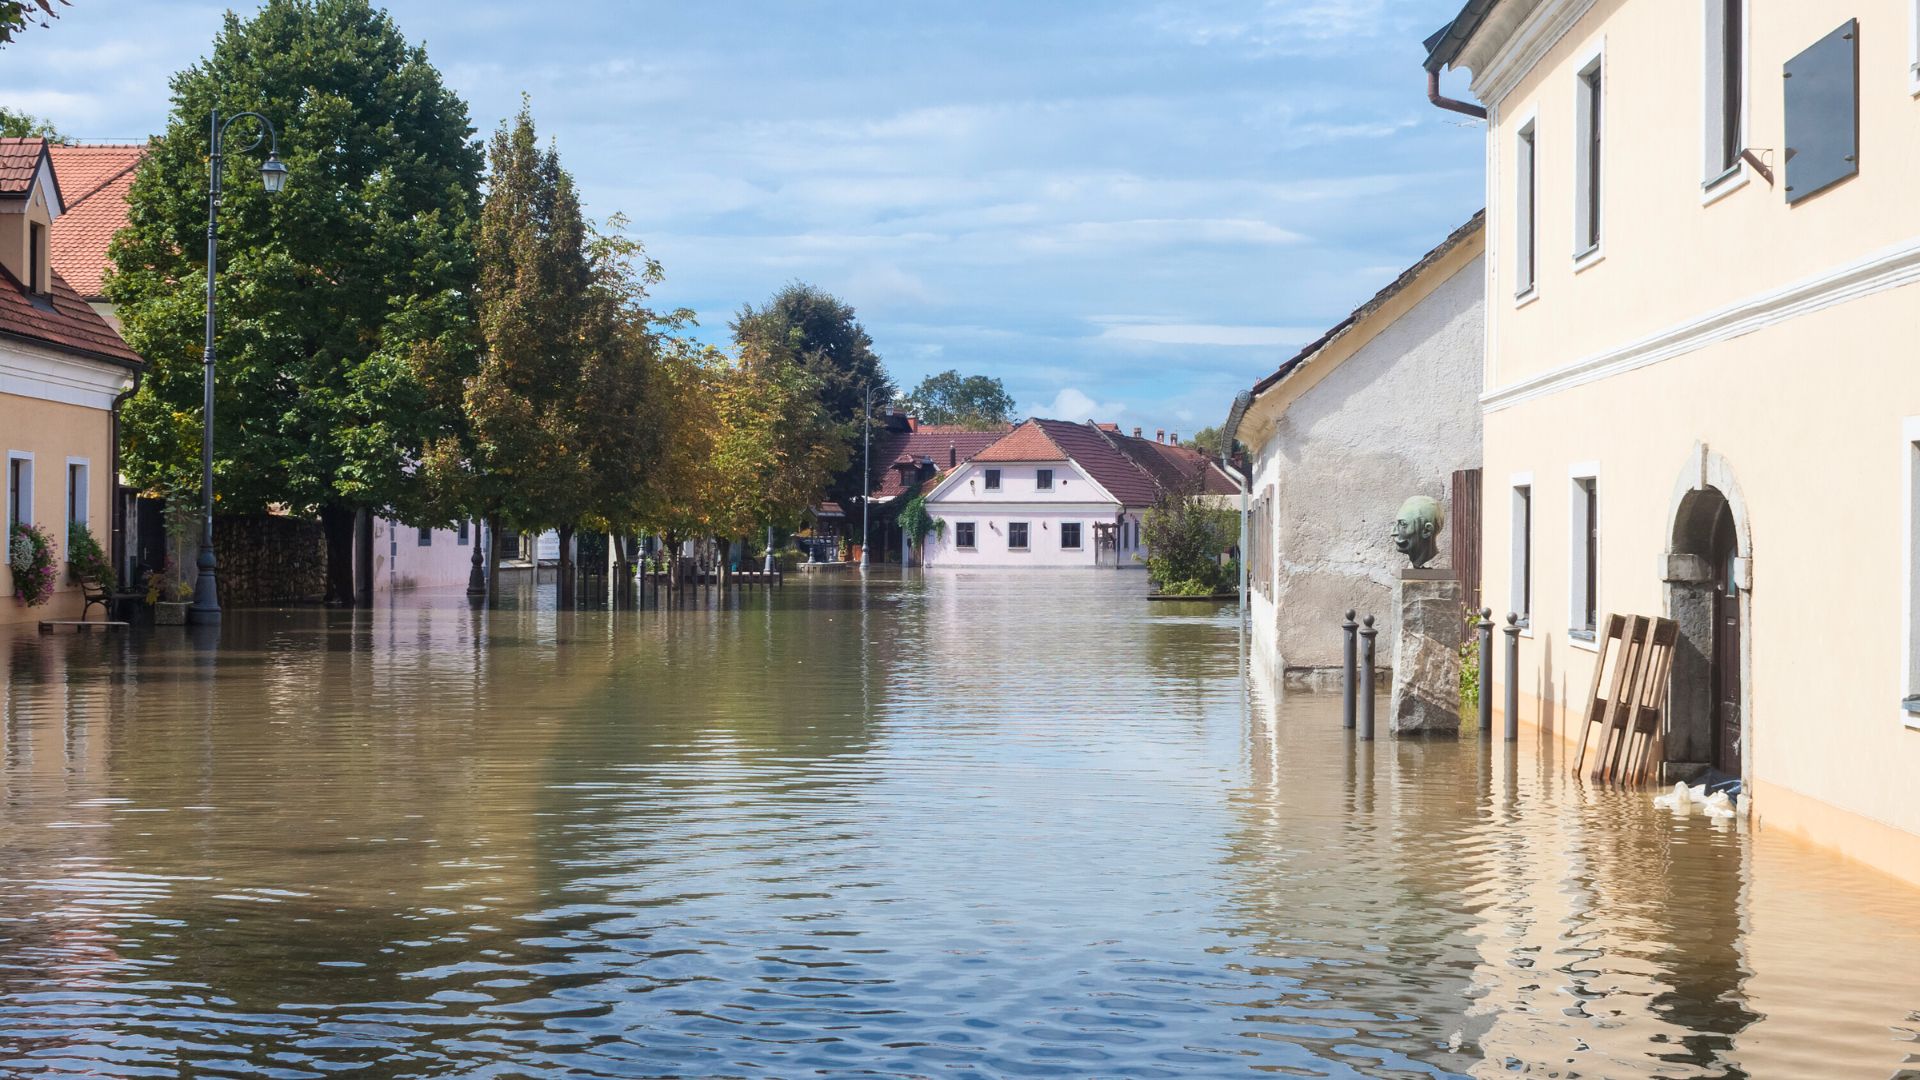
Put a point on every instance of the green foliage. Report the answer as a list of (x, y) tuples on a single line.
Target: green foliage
[(31, 558), (1207, 440), (917, 523), (973, 401), (86, 561), (1185, 538), (17, 15), (19, 125), (1470, 663), (344, 333)]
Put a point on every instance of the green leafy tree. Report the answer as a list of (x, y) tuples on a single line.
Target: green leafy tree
[(19, 125), (810, 327), (971, 401), (1207, 440), (17, 15), (343, 311), (1185, 535)]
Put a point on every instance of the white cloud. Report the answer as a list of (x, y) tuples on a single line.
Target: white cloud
[(1073, 404), (1144, 331)]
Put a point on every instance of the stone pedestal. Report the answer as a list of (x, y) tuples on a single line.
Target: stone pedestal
[(1426, 656)]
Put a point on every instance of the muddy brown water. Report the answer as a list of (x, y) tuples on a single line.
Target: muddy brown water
[(960, 826)]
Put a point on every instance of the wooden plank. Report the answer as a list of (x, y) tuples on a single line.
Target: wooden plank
[(1628, 682), (1596, 705), (48, 626), (1463, 524)]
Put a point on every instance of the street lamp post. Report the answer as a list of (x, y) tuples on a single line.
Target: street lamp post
[(273, 177), (866, 479)]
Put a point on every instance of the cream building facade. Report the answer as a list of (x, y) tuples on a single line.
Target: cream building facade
[(1699, 399)]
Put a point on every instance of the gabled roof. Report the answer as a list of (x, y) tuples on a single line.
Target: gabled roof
[(1028, 442), (1175, 466), (19, 160), (61, 319), (1132, 470), (97, 179), (1099, 457), (934, 442)]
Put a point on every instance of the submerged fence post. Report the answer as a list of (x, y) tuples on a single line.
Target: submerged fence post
[(1347, 672), (1486, 671), (1513, 676), (1367, 634)]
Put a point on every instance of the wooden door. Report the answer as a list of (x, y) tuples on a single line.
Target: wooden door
[(1464, 522), (1726, 650)]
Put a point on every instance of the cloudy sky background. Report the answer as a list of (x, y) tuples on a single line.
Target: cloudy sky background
[(1126, 209)]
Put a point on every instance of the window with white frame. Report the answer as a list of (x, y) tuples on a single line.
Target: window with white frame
[(963, 535), (77, 493), (19, 491), (1043, 479), (1070, 536), (1017, 535), (465, 534), (1526, 201), (425, 537), (1520, 587), (1590, 97), (993, 479), (1584, 565), (1726, 86)]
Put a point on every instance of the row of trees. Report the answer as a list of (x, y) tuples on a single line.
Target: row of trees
[(427, 328)]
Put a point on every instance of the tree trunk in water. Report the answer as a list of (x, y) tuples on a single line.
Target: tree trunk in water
[(622, 569), (493, 558), (563, 571), (363, 558), (337, 523)]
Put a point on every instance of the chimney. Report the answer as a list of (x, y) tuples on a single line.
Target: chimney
[(953, 455), (1160, 435), (1174, 438), (913, 423), (1136, 432)]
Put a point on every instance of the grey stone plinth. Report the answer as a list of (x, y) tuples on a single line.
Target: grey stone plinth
[(1426, 660)]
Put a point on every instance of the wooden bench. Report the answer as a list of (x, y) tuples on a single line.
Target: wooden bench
[(95, 592)]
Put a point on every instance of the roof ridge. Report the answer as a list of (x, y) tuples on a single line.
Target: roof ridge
[(1107, 436)]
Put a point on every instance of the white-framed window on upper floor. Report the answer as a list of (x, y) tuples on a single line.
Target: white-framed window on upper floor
[(1910, 553), (19, 491), (1520, 583), (79, 482), (1583, 561), (1590, 101), (1043, 479), (1526, 204), (992, 477), (1724, 118)]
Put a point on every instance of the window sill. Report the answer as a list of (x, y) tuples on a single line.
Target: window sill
[(1725, 184), (1583, 639), (1526, 627), (1589, 257), (1525, 298)]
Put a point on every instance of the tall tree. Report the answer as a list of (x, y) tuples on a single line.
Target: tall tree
[(971, 401), (529, 462), (20, 125), (817, 331), (343, 305)]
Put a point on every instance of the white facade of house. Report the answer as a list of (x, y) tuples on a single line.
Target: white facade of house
[(1056, 521), (405, 557)]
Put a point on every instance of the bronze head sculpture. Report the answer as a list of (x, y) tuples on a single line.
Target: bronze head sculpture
[(1416, 530)]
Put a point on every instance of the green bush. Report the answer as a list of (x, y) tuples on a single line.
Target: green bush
[(85, 559), (1185, 540)]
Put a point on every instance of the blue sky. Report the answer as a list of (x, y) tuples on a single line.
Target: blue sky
[(1126, 209)]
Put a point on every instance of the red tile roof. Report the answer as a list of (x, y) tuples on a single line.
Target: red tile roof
[(936, 442), (1028, 442), (96, 180), (19, 158), (60, 319), (1132, 470), (1174, 465)]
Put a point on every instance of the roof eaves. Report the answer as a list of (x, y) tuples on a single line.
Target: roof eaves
[(1444, 47)]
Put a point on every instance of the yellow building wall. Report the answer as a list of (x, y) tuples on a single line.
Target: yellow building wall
[(53, 432)]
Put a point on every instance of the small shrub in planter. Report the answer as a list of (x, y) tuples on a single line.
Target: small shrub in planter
[(31, 557)]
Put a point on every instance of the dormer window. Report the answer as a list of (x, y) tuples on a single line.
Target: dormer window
[(37, 258)]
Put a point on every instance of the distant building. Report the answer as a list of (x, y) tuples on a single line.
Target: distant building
[(1051, 493), (1384, 405), (62, 367)]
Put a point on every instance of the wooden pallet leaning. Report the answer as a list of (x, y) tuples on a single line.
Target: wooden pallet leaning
[(1629, 715), (1619, 712), (1598, 707), (1649, 705)]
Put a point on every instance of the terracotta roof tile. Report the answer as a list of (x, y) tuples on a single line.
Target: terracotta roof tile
[(96, 180), (1132, 470), (1028, 442), (936, 442), (60, 319), (1175, 465), (18, 159)]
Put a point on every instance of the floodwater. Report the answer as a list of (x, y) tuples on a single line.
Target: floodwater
[(961, 826)]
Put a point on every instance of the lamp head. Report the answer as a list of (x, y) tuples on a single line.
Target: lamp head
[(273, 174)]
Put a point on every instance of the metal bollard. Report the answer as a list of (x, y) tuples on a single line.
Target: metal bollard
[(1513, 677), (1348, 673), (1367, 634), (1486, 672)]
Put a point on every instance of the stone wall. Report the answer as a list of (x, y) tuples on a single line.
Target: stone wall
[(270, 560)]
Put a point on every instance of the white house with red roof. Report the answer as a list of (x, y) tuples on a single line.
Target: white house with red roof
[(62, 368), (1061, 495)]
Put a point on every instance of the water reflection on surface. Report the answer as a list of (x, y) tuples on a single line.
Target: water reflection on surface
[(914, 828)]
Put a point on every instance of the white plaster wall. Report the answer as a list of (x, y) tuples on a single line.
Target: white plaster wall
[(1394, 419), (400, 562)]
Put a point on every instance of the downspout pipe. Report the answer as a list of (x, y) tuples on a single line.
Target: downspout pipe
[(1229, 432), (1466, 108)]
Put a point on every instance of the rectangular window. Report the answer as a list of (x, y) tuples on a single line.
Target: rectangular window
[(993, 479), (37, 257), (77, 493), (1587, 160), (1043, 479), (426, 537), (1070, 536), (1585, 563), (19, 491), (963, 535), (1910, 681), (1525, 229), (1520, 592), (1017, 535), (1726, 86), (465, 536), (1823, 114)]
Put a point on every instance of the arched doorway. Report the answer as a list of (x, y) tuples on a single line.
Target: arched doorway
[(1709, 726)]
